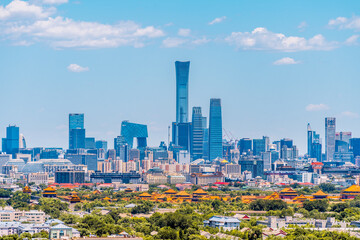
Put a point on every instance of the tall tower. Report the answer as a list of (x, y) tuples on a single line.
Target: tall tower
[(76, 131), (182, 91), (309, 140), (10, 144), (330, 131), (197, 131), (215, 129)]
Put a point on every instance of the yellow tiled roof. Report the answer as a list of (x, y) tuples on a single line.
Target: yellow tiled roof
[(353, 188), (319, 193), (145, 194)]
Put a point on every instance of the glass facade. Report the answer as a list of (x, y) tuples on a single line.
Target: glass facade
[(215, 130), (330, 131), (197, 131), (245, 145), (259, 146), (10, 144), (76, 131), (182, 91), (134, 130)]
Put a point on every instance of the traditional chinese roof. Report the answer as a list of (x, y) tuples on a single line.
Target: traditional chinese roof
[(26, 189), (145, 194), (273, 196), (170, 191), (353, 189), (49, 189), (96, 192), (288, 190), (199, 192), (128, 190), (182, 194), (319, 193), (107, 198)]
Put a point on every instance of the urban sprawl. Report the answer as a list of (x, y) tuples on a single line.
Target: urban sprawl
[(202, 183)]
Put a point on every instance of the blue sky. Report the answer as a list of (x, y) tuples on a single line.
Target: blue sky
[(276, 65)]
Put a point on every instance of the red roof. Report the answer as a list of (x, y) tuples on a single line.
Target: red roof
[(246, 217), (222, 183), (317, 163)]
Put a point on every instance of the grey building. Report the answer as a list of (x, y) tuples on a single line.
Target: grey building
[(330, 131)]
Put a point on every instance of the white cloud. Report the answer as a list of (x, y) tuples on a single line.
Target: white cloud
[(302, 26), (352, 40), (316, 107), (217, 20), (285, 61), (263, 39), (350, 114), (54, 1), (77, 68), (18, 9), (62, 32), (171, 42), (200, 41), (346, 23), (184, 32)]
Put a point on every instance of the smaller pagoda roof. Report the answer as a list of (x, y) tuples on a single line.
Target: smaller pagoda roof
[(319, 193), (182, 193), (145, 194), (49, 189), (288, 190), (170, 191), (200, 191)]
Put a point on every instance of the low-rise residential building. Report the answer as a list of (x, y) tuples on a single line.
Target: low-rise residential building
[(227, 223), (8, 214)]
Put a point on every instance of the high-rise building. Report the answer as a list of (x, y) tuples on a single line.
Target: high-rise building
[(215, 129), (343, 136), (10, 144), (90, 143), (76, 131), (314, 144), (245, 146), (182, 91), (101, 144), (259, 146), (134, 130), (181, 135), (355, 146), (330, 130), (197, 131), (309, 139)]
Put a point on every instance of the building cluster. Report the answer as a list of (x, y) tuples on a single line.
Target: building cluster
[(199, 151)]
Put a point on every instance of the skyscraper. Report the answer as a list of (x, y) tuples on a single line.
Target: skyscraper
[(197, 131), (76, 131), (215, 129), (182, 91), (245, 145), (330, 130), (309, 139), (10, 144)]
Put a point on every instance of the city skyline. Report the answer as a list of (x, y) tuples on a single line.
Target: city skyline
[(265, 89)]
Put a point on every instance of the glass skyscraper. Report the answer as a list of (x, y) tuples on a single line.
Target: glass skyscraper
[(330, 131), (182, 91), (10, 144), (197, 131), (76, 131), (215, 129)]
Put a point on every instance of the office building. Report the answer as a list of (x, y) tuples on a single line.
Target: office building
[(90, 143), (181, 135), (355, 146), (245, 146), (215, 129), (69, 176), (314, 146), (76, 131), (101, 144), (197, 131), (90, 160), (259, 146), (253, 165), (330, 130), (343, 136), (134, 130), (182, 91), (309, 139), (10, 144)]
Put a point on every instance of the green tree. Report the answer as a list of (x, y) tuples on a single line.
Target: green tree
[(168, 233)]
